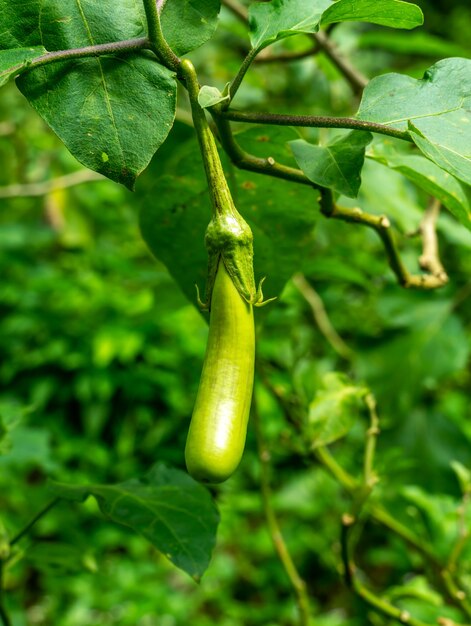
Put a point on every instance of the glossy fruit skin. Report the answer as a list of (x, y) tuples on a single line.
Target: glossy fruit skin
[(218, 427)]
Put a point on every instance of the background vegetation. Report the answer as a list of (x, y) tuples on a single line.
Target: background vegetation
[(101, 355)]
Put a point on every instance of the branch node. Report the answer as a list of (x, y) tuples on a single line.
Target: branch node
[(404, 617)]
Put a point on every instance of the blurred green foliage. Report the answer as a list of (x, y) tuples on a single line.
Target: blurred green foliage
[(100, 356)]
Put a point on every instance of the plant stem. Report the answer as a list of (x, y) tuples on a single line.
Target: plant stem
[(372, 433), (4, 617), (313, 121), (298, 584), (320, 315), (42, 188), (129, 45), (245, 161), (156, 36), (430, 257), (35, 519), (220, 193), (237, 9), (382, 226), (236, 82)]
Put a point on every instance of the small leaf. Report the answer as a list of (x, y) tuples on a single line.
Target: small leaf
[(337, 165), (12, 61), (393, 13), (209, 96), (334, 409), (174, 512)]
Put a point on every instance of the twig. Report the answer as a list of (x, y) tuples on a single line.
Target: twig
[(369, 476), (129, 45), (382, 226), (297, 583), (287, 57), (245, 161), (354, 77), (45, 187), (430, 258), (237, 9), (320, 315), (376, 512), (35, 519), (312, 121), (4, 617), (351, 580)]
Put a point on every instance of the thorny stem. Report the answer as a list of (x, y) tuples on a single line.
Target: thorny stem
[(320, 315), (35, 519), (298, 584), (313, 121)]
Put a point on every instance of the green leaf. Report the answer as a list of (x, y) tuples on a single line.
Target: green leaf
[(429, 177), (112, 112), (209, 96), (270, 21), (176, 212), (337, 165), (12, 61), (166, 506), (335, 409), (447, 142), (393, 13), (188, 24), (436, 110)]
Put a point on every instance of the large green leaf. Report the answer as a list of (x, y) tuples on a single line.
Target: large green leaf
[(11, 61), (334, 409), (337, 165), (112, 112), (428, 177), (274, 20), (392, 13), (447, 142), (176, 212), (187, 24), (436, 110), (270, 21), (166, 506)]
